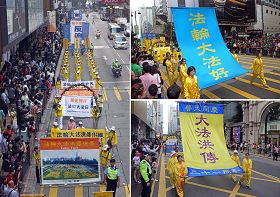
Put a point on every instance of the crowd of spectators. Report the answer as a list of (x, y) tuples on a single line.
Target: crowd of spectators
[(26, 81)]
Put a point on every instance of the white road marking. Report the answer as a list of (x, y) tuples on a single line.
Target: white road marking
[(128, 69), (101, 47), (122, 61), (105, 58)]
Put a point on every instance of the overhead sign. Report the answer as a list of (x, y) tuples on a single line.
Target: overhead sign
[(69, 160), (201, 43), (35, 14), (79, 29), (202, 130), (76, 106), (236, 134), (90, 84), (66, 31), (52, 21)]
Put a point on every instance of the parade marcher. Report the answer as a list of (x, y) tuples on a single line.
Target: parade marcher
[(247, 168), (112, 139), (170, 168), (146, 175), (180, 175), (234, 55), (80, 125), (183, 74), (235, 158), (59, 115), (36, 157), (191, 88), (172, 72), (95, 114), (71, 124), (258, 70), (100, 101), (54, 130), (105, 157), (112, 177), (78, 75), (58, 85)]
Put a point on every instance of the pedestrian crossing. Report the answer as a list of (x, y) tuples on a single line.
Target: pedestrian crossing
[(240, 87)]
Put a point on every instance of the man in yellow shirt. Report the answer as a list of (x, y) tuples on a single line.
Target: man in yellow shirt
[(171, 70), (180, 174), (78, 75), (247, 166), (36, 157), (54, 130), (95, 115), (105, 157), (170, 168), (258, 70), (59, 115), (58, 85), (112, 138), (235, 158)]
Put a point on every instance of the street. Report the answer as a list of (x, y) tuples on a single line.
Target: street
[(115, 111), (265, 182), (240, 87)]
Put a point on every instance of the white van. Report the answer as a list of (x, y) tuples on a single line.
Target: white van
[(113, 29)]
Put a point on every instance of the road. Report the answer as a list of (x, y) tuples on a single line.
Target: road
[(240, 87), (265, 182), (115, 111)]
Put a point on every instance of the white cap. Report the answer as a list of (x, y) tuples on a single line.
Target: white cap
[(55, 124), (172, 153), (113, 128), (235, 151), (80, 122), (72, 118), (106, 147), (94, 104), (96, 73), (78, 71)]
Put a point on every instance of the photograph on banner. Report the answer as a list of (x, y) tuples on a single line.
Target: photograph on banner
[(214, 145), (204, 49), (65, 160)]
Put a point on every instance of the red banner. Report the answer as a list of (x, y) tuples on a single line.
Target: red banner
[(68, 143)]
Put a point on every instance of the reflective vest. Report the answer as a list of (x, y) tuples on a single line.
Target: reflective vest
[(113, 173)]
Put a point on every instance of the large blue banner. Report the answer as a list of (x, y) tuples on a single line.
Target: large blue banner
[(85, 30), (66, 31), (202, 45)]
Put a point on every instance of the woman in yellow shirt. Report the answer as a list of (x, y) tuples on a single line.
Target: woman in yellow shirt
[(258, 70), (183, 74), (180, 174), (191, 88)]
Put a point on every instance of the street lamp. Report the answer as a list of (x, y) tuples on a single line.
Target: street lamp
[(134, 14)]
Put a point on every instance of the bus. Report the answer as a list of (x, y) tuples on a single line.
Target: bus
[(113, 29)]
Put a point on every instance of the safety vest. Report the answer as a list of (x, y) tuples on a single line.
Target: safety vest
[(113, 173)]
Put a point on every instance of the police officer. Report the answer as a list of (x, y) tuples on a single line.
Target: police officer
[(112, 177), (146, 175)]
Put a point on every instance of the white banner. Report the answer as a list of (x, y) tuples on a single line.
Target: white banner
[(76, 29), (76, 106), (90, 84)]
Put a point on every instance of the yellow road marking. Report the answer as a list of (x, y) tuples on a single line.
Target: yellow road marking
[(209, 94), (153, 186), (127, 189), (78, 191), (237, 91), (267, 176), (218, 189), (258, 85), (128, 90), (104, 95), (118, 95), (162, 184), (235, 190), (267, 78), (274, 73), (53, 191), (41, 189)]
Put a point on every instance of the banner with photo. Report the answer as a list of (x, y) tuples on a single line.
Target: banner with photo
[(76, 106), (69, 160), (202, 130)]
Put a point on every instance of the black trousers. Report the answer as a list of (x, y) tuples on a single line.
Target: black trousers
[(146, 190), (38, 174), (112, 186)]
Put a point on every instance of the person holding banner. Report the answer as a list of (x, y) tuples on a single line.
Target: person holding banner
[(235, 158), (171, 69), (180, 174), (183, 73), (258, 70), (146, 175), (105, 156), (191, 88), (54, 130), (170, 168), (112, 177), (58, 113), (247, 168)]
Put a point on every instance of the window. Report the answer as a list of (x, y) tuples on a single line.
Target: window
[(275, 13), (267, 11), (181, 3), (279, 14), (271, 12)]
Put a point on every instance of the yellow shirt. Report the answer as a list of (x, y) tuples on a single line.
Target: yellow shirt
[(98, 84), (113, 137), (183, 73), (257, 66), (58, 84), (236, 159), (172, 72), (95, 113), (54, 131), (191, 89), (180, 170), (235, 56), (59, 111), (36, 157), (105, 156), (247, 165), (171, 163)]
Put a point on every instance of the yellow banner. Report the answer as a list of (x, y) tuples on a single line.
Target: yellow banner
[(65, 43), (83, 132), (202, 129), (103, 194)]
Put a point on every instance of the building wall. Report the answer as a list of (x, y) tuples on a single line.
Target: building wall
[(271, 19)]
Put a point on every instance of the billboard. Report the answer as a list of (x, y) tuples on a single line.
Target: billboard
[(69, 160), (52, 21), (35, 14), (232, 11), (78, 29), (16, 21), (236, 134)]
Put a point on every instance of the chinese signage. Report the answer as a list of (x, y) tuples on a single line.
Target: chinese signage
[(236, 134), (79, 29), (76, 106), (52, 21), (90, 84), (202, 45), (83, 132), (202, 128), (69, 160)]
